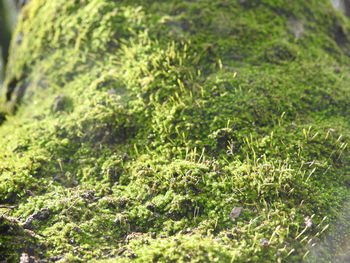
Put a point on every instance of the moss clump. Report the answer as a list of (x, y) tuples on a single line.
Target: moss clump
[(143, 125)]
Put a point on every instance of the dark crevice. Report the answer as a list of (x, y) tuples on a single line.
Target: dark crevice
[(11, 87)]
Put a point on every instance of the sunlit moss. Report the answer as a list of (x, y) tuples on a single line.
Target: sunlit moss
[(137, 127)]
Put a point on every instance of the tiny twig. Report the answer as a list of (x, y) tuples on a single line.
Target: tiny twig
[(7, 206)]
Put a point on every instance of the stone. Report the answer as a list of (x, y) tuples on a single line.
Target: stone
[(236, 212)]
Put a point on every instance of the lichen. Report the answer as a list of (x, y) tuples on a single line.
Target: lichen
[(133, 129)]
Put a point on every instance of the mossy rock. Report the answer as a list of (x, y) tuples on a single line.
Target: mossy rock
[(143, 127)]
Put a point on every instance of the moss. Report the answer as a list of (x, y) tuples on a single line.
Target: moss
[(137, 127), (14, 240), (183, 248)]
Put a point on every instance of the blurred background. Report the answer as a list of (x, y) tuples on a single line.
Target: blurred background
[(9, 10), (343, 5)]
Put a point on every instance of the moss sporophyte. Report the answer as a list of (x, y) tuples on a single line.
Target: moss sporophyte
[(174, 131)]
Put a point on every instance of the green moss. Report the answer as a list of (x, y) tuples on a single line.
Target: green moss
[(138, 126), (182, 248)]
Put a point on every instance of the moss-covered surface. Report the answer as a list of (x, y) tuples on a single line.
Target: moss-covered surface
[(145, 127)]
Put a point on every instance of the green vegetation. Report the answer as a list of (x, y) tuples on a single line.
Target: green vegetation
[(143, 124)]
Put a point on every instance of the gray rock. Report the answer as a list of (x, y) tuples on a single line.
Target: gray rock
[(342, 5), (236, 212), (296, 27)]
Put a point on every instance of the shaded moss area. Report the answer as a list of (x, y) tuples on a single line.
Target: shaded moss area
[(139, 129), (14, 240)]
